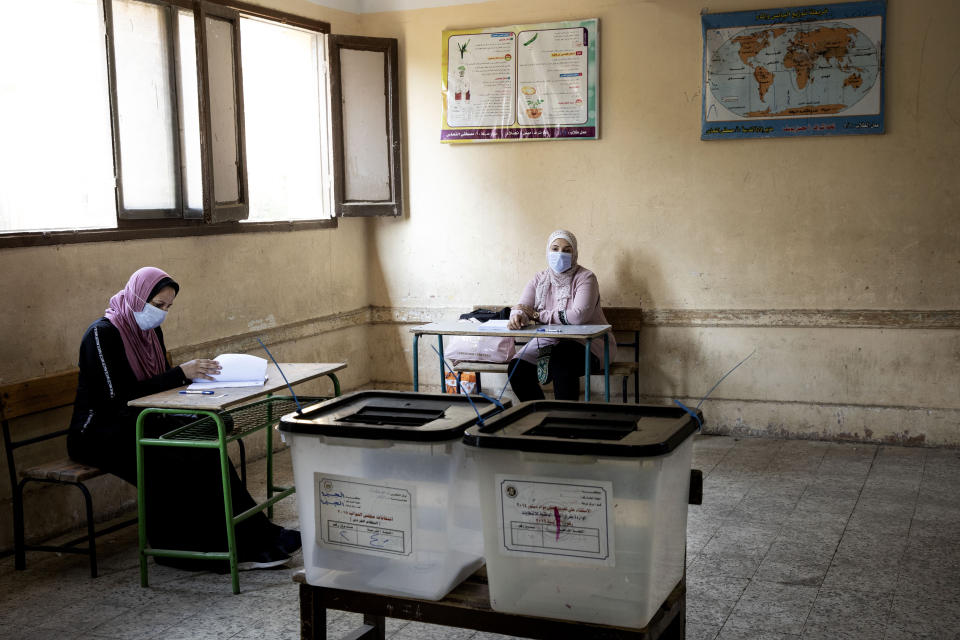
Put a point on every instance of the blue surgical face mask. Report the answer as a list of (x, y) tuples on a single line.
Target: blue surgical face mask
[(559, 261), (150, 318)]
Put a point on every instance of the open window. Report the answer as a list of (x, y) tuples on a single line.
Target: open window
[(143, 42), (365, 114), (222, 149), (176, 82)]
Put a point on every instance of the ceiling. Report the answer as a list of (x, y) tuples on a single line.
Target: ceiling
[(375, 6)]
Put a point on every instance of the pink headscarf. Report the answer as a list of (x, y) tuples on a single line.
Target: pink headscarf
[(143, 349)]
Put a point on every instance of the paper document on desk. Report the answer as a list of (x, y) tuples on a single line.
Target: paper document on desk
[(236, 370), (494, 325)]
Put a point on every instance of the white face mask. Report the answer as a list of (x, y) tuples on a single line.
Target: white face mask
[(559, 261), (150, 317)]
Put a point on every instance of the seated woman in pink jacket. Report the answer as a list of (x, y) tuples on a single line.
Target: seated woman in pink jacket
[(564, 293)]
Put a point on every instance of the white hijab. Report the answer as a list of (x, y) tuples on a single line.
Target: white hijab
[(560, 282)]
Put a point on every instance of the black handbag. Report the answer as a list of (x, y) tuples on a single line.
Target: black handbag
[(487, 314)]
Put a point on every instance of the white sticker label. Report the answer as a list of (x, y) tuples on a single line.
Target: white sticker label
[(556, 517), (355, 515)]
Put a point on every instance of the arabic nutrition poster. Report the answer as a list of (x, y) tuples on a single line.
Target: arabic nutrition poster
[(520, 82), (802, 71)]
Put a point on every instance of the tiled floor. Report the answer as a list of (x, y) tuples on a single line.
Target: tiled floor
[(795, 539)]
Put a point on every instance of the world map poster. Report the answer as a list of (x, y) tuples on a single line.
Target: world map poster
[(801, 71)]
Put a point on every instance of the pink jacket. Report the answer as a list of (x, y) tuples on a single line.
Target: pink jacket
[(583, 307)]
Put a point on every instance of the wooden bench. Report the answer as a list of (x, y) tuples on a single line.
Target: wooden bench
[(468, 607), (29, 398), (623, 369)]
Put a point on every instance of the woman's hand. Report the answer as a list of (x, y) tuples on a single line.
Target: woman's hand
[(200, 368), (529, 311), (527, 315)]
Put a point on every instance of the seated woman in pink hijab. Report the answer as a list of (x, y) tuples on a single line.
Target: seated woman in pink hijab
[(563, 293), (122, 357)]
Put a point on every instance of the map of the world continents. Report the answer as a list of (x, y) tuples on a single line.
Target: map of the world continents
[(792, 70)]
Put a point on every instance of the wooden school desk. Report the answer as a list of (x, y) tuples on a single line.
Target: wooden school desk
[(585, 332), (211, 433)]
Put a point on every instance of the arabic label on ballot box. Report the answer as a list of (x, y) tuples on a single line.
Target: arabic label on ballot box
[(355, 515), (570, 519)]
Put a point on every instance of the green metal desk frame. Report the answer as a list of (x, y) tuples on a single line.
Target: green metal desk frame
[(586, 363), (200, 435)]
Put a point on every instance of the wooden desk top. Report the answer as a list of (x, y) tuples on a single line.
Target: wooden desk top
[(459, 328), (227, 397)]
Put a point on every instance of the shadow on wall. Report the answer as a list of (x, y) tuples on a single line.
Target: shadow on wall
[(635, 277)]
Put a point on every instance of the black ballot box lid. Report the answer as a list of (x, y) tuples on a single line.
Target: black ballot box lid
[(586, 428), (395, 415)]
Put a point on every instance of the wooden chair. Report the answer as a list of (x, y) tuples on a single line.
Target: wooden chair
[(625, 369), (32, 397)]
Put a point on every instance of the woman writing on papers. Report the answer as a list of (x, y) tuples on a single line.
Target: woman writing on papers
[(564, 293), (122, 357)]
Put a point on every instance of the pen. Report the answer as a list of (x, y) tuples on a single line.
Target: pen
[(201, 392), (549, 330)]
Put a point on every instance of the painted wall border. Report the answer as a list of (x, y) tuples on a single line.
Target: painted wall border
[(634, 318)]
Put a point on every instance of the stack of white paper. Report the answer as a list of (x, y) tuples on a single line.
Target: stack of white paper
[(236, 370)]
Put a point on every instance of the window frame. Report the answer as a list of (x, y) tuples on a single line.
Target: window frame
[(392, 206), (213, 211), (137, 227), (179, 210)]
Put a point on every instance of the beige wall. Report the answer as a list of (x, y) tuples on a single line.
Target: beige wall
[(695, 230), (230, 285)]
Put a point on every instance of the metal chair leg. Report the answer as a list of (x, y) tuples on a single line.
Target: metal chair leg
[(91, 534), (636, 374), (19, 526), (19, 537)]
